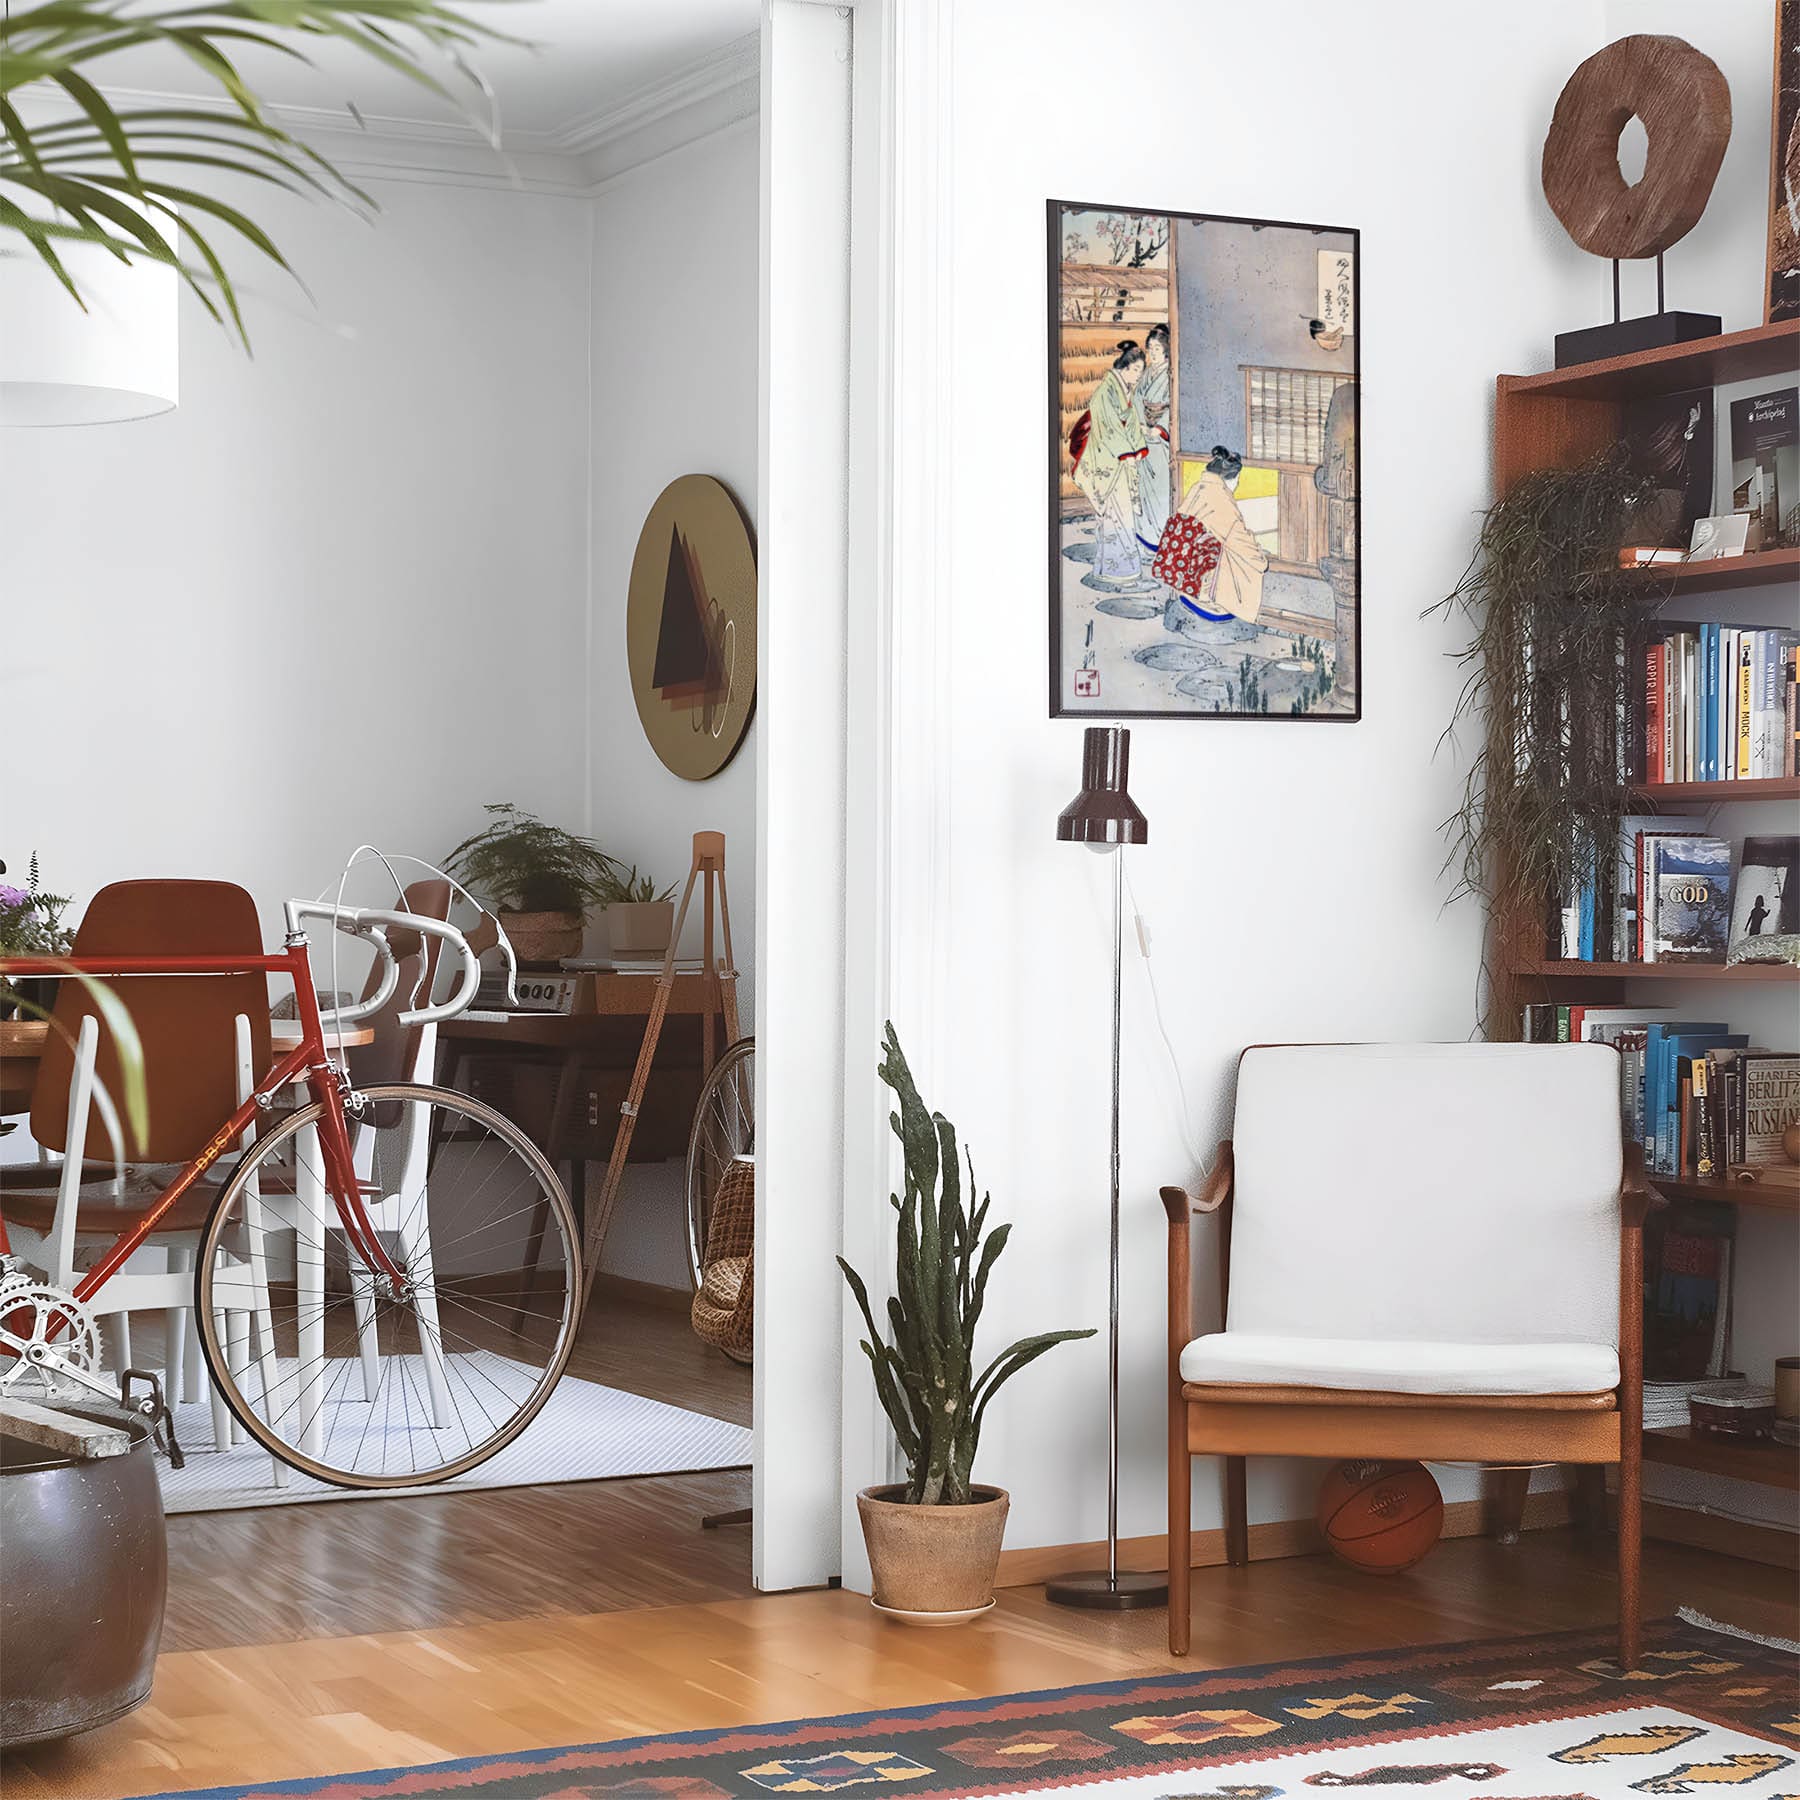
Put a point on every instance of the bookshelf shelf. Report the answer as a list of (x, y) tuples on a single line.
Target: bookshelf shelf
[(1770, 1197), (1759, 568), (1764, 350), (1776, 787), (1758, 1460), (1656, 971)]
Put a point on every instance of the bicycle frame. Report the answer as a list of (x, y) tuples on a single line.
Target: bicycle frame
[(309, 1060)]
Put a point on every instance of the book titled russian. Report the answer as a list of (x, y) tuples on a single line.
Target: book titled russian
[(1770, 1099), (1765, 460), (1690, 888)]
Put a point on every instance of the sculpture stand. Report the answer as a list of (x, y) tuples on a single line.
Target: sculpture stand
[(1625, 337)]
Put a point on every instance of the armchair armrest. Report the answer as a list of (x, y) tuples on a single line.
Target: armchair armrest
[(1179, 1204)]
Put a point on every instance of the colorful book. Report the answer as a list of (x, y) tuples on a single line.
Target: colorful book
[(1689, 883)]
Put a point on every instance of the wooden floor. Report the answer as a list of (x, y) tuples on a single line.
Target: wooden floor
[(336, 1704), (334, 1568)]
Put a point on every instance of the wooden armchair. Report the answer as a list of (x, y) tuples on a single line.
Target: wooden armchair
[(1428, 1251)]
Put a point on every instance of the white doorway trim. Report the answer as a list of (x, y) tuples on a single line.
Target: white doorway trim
[(855, 598)]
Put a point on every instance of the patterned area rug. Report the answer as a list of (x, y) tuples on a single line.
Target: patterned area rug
[(1545, 1718)]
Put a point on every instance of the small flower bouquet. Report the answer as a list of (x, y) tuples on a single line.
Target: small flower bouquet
[(30, 925)]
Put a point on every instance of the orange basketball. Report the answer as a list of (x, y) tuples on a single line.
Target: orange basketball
[(1380, 1517)]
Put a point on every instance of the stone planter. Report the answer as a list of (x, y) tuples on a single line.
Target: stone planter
[(540, 940), (81, 1607), (640, 928), (933, 1565)]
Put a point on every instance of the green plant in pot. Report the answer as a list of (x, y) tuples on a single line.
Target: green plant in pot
[(639, 918), (934, 1540), (542, 878)]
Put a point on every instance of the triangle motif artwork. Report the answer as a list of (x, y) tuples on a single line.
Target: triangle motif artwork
[(687, 670)]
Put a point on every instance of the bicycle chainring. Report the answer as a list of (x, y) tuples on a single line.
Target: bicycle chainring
[(34, 1312)]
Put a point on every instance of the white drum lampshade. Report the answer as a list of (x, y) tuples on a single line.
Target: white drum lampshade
[(61, 366)]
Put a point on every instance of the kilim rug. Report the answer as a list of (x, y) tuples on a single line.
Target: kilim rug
[(1542, 1718)]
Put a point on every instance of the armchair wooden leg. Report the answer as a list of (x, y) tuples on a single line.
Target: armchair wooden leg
[(1237, 1513), (1181, 1548), (1506, 1501), (1630, 1549)]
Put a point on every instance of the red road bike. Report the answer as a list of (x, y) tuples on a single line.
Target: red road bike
[(387, 1280)]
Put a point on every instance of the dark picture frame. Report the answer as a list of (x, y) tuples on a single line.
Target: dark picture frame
[(1244, 336)]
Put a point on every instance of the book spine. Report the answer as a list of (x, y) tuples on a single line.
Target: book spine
[(1684, 1124), (1742, 759), (1791, 750), (1562, 1024), (1709, 708), (1653, 719), (1705, 1163), (1668, 708), (1726, 743)]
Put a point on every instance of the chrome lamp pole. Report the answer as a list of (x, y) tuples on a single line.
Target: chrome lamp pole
[(1105, 818)]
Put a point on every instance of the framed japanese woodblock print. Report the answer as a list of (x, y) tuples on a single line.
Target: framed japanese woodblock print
[(1204, 504)]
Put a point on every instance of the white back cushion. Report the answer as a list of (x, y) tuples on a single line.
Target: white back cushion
[(1456, 1192)]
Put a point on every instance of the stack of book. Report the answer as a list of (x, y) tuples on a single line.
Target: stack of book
[(1718, 705), (1677, 894), (1699, 1097)]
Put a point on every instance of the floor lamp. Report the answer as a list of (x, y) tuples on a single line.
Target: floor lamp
[(1104, 817)]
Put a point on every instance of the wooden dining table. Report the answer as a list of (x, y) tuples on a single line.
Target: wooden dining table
[(22, 1044)]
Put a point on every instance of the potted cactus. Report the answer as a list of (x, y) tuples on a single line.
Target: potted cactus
[(934, 1539)]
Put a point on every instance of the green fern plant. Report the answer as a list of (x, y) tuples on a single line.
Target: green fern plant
[(137, 181), (528, 866), (925, 1374)]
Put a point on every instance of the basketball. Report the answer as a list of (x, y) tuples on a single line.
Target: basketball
[(1380, 1517)]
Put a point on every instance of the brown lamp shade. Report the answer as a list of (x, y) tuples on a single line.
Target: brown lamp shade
[(1103, 812)]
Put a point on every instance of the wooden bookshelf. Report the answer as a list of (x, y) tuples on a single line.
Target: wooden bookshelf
[(1761, 352), (1766, 1197), (1711, 793), (1551, 970), (1743, 1459), (1759, 568)]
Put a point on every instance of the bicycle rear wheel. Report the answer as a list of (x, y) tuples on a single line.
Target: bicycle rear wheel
[(724, 1127), (348, 1376)]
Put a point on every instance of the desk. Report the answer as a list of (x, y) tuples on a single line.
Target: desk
[(562, 1076)]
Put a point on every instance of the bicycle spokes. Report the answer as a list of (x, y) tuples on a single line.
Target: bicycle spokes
[(413, 1333)]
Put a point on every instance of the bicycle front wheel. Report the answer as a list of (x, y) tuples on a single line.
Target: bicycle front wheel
[(358, 1379)]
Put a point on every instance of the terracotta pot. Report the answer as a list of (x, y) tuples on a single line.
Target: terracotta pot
[(640, 927), (542, 939), (933, 1559)]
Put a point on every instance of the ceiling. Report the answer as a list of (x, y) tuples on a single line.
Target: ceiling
[(587, 61)]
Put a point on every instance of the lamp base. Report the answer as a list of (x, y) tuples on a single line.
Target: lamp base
[(1096, 1591)]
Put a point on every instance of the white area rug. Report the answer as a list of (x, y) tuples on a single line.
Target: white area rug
[(586, 1432)]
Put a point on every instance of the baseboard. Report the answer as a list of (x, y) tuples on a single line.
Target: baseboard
[(644, 1293), (1272, 1538), (1730, 1537)]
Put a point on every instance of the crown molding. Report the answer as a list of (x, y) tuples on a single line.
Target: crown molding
[(732, 67), (706, 96)]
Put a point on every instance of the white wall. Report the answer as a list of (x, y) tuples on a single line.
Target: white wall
[(376, 528), (1292, 879), (674, 346)]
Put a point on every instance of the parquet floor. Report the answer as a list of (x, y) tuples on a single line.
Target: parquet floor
[(314, 1640)]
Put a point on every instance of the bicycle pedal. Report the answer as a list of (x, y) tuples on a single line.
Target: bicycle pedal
[(156, 1409)]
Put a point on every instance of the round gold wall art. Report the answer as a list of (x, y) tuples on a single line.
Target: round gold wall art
[(690, 626)]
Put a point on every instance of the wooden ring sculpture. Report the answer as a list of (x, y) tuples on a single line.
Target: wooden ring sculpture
[(1685, 104)]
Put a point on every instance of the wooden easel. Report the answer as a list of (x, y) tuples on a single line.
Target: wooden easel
[(720, 977)]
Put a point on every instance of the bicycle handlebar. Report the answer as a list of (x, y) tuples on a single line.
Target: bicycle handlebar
[(373, 925)]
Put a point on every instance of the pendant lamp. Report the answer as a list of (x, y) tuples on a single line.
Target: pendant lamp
[(59, 365)]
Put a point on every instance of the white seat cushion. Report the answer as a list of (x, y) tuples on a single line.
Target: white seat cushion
[(1394, 1366)]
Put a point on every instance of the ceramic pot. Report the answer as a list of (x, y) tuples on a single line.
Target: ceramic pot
[(933, 1564), (81, 1608), (640, 928), (540, 940)]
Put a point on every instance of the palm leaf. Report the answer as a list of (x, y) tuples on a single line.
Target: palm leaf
[(80, 168)]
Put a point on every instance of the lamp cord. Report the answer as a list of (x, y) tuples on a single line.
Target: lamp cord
[(1184, 1118)]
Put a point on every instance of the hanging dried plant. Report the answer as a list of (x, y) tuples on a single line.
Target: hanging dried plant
[(1548, 679)]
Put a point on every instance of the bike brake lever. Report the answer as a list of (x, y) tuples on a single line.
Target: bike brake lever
[(156, 1409)]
